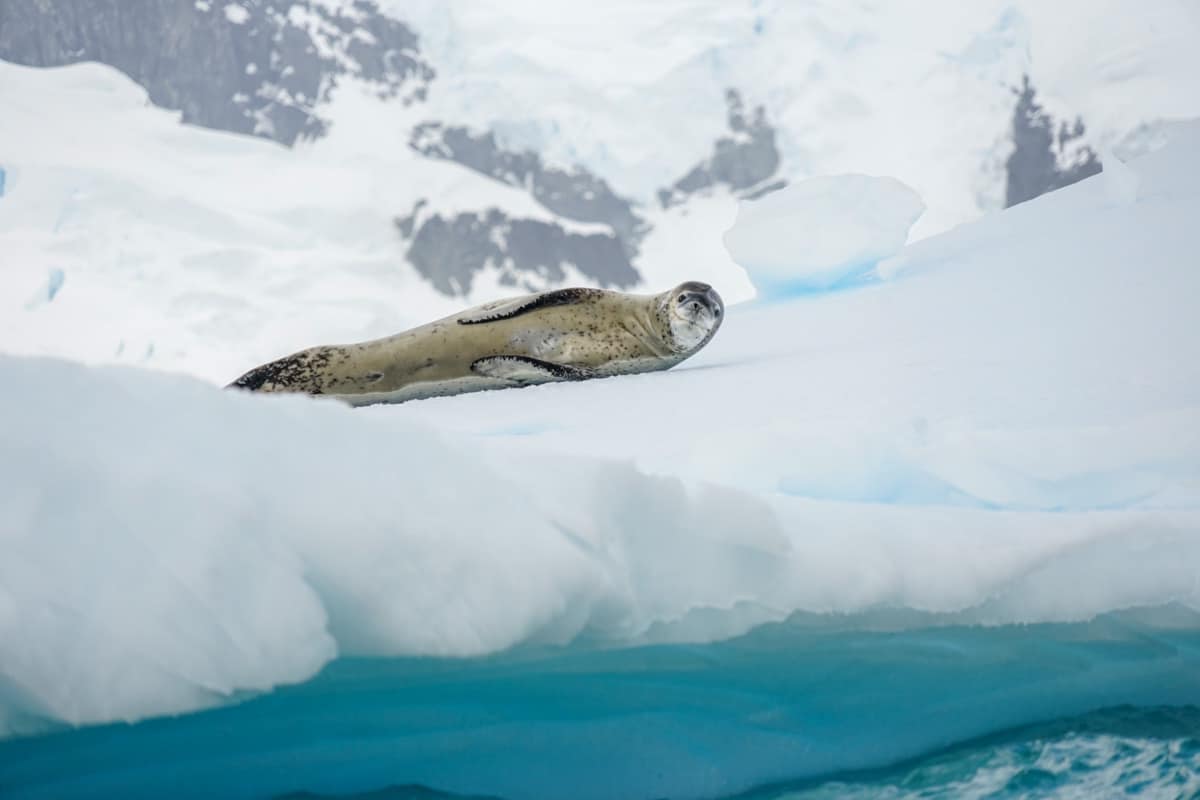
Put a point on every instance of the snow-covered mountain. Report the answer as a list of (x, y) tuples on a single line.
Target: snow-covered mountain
[(614, 138), (255, 67)]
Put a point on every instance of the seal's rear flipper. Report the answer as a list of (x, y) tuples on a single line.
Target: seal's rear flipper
[(523, 369), (255, 378), (507, 309)]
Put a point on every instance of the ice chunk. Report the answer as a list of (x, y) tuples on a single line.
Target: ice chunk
[(822, 233), (167, 544)]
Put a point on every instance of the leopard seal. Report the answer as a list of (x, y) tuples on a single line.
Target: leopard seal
[(560, 335)]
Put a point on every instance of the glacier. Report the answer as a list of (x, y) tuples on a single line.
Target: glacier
[(866, 522)]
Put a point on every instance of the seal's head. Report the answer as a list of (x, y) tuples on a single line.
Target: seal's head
[(694, 312)]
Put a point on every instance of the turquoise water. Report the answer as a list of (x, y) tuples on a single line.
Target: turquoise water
[(894, 704)]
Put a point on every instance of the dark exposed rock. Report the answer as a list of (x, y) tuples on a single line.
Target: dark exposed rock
[(254, 66), (531, 254), (1044, 158), (528, 253), (570, 193), (743, 161)]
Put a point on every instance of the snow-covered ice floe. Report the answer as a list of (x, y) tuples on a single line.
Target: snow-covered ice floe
[(860, 525)]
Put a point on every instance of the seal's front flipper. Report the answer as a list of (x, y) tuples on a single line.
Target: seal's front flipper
[(526, 370), (507, 309)]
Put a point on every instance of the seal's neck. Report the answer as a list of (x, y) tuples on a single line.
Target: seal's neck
[(647, 323)]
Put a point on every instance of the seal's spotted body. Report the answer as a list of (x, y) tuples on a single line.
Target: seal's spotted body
[(569, 334)]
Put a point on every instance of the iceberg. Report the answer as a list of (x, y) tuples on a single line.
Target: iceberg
[(862, 525), (822, 233)]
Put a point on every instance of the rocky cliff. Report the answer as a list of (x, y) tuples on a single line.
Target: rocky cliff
[(250, 67)]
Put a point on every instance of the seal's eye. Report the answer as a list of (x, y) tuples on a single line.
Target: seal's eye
[(683, 298)]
